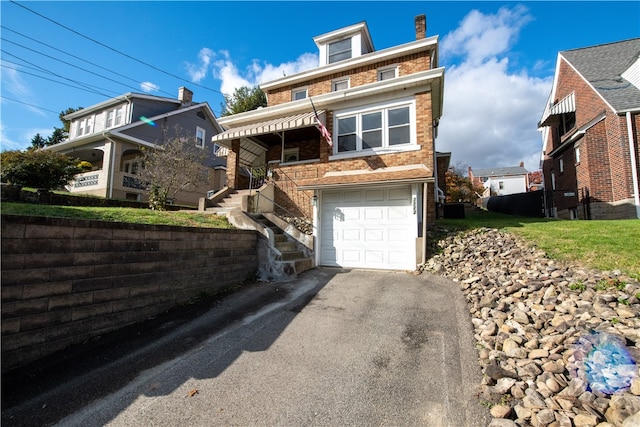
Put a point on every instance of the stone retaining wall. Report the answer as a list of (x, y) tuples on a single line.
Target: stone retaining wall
[(65, 281)]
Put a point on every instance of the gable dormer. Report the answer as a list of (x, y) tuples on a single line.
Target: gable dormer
[(345, 43)]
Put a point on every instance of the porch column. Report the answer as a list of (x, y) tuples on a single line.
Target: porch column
[(233, 164)]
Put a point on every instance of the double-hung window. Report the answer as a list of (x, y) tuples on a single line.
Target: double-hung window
[(119, 116), (339, 50), (110, 117), (200, 135), (376, 128)]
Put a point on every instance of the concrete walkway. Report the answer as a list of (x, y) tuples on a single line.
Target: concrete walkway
[(332, 348)]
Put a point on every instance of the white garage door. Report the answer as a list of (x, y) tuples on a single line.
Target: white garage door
[(368, 228)]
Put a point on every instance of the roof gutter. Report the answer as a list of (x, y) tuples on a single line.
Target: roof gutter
[(425, 80)]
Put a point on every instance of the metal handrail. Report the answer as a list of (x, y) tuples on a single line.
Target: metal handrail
[(305, 219)]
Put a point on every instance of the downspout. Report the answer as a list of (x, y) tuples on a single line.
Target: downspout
[(634, 166), (425, 213)]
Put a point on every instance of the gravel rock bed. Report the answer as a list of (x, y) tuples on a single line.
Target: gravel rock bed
[(557, 342)]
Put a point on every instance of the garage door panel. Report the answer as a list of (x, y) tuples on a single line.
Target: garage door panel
[(353, 235), (399, 193), (373, 214), (352, 196), (374, 257), (398, 235), (399, 213), (350, 256), (374, 235), (374, 195), (368, 228)]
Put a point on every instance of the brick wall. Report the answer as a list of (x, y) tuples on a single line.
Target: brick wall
[(64, 281), (409, 64), (605, 162)]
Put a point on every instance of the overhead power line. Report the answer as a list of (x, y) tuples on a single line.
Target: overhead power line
[(79, 58), (81, 85), (30, 105), (113, 49)]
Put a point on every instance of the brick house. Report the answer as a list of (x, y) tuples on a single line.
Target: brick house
[(109, 135), (368, 186), (590, 130)]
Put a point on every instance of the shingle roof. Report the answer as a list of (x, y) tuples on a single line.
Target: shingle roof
[(603, 65), (507, 171)]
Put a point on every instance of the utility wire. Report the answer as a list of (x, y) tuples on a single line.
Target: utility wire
[(30, 105), (112, 49), (82, 86), (70, 64), (79, 58)]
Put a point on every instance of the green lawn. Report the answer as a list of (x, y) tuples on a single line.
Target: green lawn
[(605, 245), (131, 215)]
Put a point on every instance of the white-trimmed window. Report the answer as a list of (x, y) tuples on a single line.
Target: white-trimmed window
[(382, 127), (80, 128), (300, 93), (340, 84), (111, 115), (339, 51), (561, 165), (200, 135), (387, 73), (88, 124), (119, 116)]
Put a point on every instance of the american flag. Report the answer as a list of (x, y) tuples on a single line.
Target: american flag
[(321, 127)]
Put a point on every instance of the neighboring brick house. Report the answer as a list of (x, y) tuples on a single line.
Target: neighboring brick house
[(371, 192), (590, 131), (501, 181), (109, 135)]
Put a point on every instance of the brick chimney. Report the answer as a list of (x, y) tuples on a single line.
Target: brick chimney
[(521, 164), (421, 27), (185, 96)]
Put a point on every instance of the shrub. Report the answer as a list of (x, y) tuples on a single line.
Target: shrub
[(38, 168)]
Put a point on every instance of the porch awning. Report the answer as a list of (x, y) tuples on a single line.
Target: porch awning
[(391, 175), (565, 105), (280, 124)]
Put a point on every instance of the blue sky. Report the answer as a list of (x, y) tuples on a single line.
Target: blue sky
[(499, 57)]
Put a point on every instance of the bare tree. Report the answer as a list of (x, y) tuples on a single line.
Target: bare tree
[(174, 166)]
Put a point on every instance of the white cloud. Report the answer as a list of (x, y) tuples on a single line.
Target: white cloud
[(232, 78), (197, 72), (149, 87), (490, 112)]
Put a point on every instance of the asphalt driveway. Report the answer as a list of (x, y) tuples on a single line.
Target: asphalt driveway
[(332, 348)]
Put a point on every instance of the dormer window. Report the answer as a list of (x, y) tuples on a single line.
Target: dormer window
[(297, 94), (339, 50)]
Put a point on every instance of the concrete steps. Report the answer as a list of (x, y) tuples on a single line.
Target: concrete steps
[(291, 253), (232, 202)]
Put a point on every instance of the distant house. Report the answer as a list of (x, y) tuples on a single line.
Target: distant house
[(591, 131), (363, 170), (109, 135), (501, 181)]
